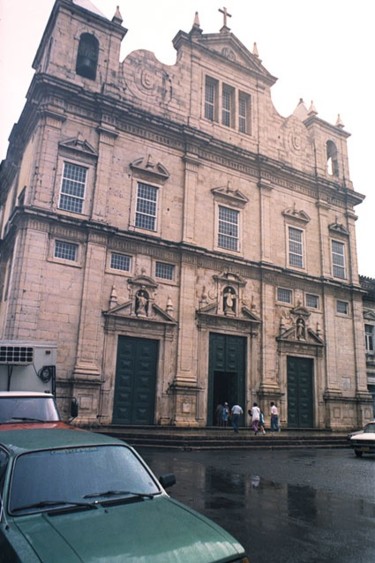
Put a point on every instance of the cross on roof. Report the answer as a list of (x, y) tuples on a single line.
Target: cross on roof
[(226, 15)]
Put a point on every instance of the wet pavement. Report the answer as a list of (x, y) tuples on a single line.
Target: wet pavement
[(295, 506)]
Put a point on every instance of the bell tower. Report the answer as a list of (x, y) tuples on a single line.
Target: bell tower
[(81, 45)]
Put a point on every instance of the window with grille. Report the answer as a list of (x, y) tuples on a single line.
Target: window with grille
[(338, 259), (295, 247), (120, 262), (73, 186), (243, 112), (284, 295), (370, 338), (228, 228), (66, 250), (145, 216), (210, 106), (312, 301), (342, 307), (164, 271), (227, 105)]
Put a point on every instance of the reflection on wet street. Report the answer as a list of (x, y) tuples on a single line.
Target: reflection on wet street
[(287, 506)]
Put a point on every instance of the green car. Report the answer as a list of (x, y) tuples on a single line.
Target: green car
[(69, 495)]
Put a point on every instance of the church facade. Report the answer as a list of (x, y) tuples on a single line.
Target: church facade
[(180, 241)]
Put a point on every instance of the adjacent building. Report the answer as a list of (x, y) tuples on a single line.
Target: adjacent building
[(181, 242)]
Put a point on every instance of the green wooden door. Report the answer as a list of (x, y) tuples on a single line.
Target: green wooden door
[(135, 388), (227, 363), (300, 392)]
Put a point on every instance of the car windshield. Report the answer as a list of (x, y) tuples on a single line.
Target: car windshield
[(77, 476), (30, 409)]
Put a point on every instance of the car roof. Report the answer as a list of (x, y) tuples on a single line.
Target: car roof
[(20, 441), (8, 394)]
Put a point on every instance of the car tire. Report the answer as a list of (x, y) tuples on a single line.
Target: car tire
[(358, 453)]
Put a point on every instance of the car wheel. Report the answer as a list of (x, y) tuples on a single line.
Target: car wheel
[(358, 453)]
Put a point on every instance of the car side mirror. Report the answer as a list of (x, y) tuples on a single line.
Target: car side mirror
[(167, 480), (74, 408)]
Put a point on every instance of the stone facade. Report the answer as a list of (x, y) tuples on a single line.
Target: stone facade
[(180, 241)]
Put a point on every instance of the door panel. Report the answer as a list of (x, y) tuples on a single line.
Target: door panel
[(226, 372), (134, 401), (300, 392)]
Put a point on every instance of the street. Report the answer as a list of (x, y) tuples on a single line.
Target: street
[(295, 506)]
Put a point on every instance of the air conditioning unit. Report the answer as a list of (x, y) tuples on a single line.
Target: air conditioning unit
[(27, 365)]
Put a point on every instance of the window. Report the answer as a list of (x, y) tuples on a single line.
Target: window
[(295, 247), (164, 271), (338, 259), (210, 107), (284, 295), (223, 102), (145, 216), (342, 307), (332, 162), (87, 58), (312, 301), (66, 250), (227, 106), (73, 186), (228, 228), (243, 112), (370, 338), (120, 262)]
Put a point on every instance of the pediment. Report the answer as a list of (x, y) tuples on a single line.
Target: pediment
[(338, 228), (369, 315), (249, 314), (126, 310), (143, 281), (229, 195), (79, 145), (229, 47), (146, 166), (301, 311), (295, 214), (230, 278), (311, 337), (226, 46)]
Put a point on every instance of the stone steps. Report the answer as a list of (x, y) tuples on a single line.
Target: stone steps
[(215, 438)]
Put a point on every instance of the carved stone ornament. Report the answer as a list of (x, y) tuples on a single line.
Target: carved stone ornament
[(296, 215), (78, 145), (146, 166)]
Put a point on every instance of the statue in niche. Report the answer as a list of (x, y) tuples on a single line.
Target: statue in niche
[(301, 329), (229, 301), (141, 303)]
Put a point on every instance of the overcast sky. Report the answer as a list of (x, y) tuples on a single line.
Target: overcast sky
[(321, 51)]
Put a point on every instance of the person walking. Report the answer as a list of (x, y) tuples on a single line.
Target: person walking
[(254, 412), (275, 427), (225, 414), (219, 412), (261, 422), (236, 412)]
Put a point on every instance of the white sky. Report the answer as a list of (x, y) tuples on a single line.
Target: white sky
[(321, 51)]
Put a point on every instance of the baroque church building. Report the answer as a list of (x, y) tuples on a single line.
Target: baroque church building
[(180, 241)]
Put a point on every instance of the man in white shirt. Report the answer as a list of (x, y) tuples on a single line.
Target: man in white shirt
[(274, 418), (236, 412)]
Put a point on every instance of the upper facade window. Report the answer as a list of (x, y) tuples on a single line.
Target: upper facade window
[(66, 250), (338, 260), (370, 338), (120, 262), (284, 295), (164, 271), (231, 107), (146, 209), (73, 187), (295, 247), (228, 228), (87, 58)]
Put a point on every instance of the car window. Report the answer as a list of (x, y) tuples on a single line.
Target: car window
[(370, 428), (28, 408), (74, 474)]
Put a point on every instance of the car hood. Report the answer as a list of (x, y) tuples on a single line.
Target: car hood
[(160, 530), (367, 436)]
